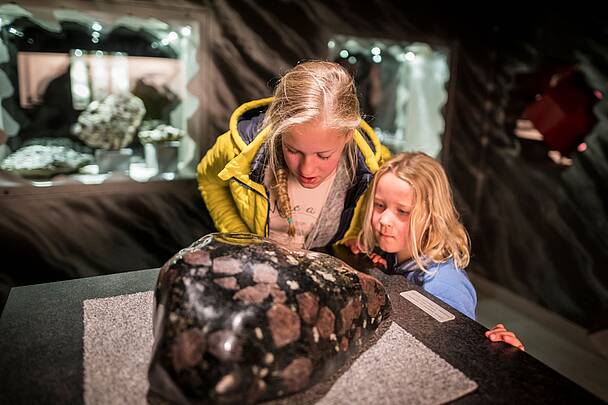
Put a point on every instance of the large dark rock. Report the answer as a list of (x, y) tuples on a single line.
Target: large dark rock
[(239, 319)]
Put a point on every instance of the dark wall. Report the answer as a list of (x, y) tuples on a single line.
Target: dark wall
[(537, 228), (74, 231)]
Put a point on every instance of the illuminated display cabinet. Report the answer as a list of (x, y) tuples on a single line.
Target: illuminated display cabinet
[(92, 94)]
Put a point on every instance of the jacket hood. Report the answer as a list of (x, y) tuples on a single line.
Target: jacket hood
[(246, 121)]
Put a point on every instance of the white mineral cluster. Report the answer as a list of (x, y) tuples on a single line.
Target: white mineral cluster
[(111, 123), (44, 161), (162, 133)]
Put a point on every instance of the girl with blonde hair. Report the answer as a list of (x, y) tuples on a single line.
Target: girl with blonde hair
[(412, 227), (274, 171), (411, 218)]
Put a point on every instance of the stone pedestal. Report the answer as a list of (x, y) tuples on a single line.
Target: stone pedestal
[(162, 156), (113, 160)]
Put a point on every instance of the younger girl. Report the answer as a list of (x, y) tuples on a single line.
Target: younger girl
[(410, 217)]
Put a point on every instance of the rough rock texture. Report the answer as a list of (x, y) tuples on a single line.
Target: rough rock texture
[(111, 123), (239, 319), (44, 161), (161, 133)]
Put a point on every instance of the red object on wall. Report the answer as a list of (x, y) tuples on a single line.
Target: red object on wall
[(564, 113)]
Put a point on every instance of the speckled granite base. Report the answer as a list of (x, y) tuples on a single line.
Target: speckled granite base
[(117, 346), (399, 369), (118, 341)]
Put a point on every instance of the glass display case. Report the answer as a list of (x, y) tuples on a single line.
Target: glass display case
[(92, 95), (403, 88)]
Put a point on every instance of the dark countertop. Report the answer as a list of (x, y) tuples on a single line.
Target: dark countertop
[(41, 344), (503, 373)]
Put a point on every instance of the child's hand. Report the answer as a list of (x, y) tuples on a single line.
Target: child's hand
[(353, 244), (500, 334), (377, 259)]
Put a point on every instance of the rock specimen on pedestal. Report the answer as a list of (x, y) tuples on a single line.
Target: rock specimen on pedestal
[(112, 123), (239, 319), (161, 133), (44, 161)]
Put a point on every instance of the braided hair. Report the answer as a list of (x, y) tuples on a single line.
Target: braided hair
[(313, 90)]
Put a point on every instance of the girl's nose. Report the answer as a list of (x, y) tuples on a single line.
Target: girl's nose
[(385, 218), (306, 166)]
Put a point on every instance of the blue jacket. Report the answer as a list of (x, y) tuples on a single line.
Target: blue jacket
[(443, 280)]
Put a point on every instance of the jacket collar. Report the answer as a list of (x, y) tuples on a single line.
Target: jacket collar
[(240, 166), (366, 139), (404, 268)]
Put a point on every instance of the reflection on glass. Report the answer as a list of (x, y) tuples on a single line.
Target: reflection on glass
[(402, 89), (120, 73), (100, 79), (79, 77)]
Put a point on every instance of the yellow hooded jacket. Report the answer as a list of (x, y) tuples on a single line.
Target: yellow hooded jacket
[(231, 174)]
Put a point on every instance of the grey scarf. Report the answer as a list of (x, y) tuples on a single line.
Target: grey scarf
[(329, 219)]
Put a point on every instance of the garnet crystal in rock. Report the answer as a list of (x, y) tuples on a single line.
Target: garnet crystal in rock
[(240, 319)]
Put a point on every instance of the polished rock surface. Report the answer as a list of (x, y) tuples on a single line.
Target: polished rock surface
[(42, 345), (239, 319)]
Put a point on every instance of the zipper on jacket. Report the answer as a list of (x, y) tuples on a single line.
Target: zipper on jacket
[(267, 230), (264, 196)]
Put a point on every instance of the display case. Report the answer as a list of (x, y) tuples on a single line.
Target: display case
[(403, 88), (91, 92)]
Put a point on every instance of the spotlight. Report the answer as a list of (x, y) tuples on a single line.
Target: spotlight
[(186, 31)]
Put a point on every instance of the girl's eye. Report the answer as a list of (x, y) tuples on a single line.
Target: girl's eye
[(323, 157), (378, 205), (403, 212), (292, 151)]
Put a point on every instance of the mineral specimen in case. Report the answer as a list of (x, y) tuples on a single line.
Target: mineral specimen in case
[(111, 123), (240, 319), (40, 161)]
